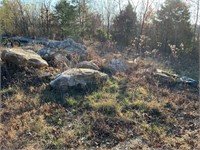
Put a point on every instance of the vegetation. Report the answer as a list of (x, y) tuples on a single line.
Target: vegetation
[(125, 26), (166, 28), (66, 15), (173, 18), (133, 109)]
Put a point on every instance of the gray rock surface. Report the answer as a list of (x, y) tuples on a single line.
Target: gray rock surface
[(59, 60), (77, 77), (87, 64), (21, 57), (66, 47), (116, 65)]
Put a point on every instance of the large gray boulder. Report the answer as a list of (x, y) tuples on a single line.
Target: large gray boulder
[(77, 77), (21, 57), (115, 65), (67, 48), (87, 64)]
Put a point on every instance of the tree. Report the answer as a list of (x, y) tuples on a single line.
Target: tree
[(173, 25), (83, 13), (147, 11), (196, 6), (66, 15), (6, 17), (17, 18), (46, 18), (125, 26), (109, 8), (92, 24)]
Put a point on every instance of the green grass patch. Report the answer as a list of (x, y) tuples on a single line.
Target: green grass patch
[(8, 91)]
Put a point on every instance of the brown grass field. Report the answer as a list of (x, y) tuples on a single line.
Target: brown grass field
[(132, 110)]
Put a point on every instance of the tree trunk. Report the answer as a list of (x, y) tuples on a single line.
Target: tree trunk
[(195, 26), (108, 26)]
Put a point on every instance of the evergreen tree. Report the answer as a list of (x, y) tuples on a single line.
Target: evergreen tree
[(66, 15), (173, 25), (125, 26)]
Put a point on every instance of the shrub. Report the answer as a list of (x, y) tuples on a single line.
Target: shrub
[(101, 35)]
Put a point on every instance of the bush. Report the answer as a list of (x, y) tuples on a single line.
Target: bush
[(101, 35)]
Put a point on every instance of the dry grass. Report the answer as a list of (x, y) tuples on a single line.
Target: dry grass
[(132, 110)]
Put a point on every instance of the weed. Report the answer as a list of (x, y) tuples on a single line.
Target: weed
[(108, 107), (56, 118), (128, 105), (154, 130), (52, 95), (139, 105), (72, 102), (8, 91)]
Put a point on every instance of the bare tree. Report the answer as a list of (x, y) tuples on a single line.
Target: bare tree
[(109, 6), (135, 4), (120, 5), (146, 9), (83, 13), (23, 19), (197, 3), (46, 17)]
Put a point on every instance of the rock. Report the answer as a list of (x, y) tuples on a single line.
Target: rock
[(116, 65), (53, 44), (59, 60), (162, 76), (167, 73), (65, 44), (77, 77), (21, 57), (87, 64), (188, 80), (76, 38), (165, 78), (66, 48), (130, 63)]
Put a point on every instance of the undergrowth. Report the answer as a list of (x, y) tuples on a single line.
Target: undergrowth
[(130, 110)]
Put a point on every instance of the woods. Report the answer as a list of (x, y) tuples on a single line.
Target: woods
[(170, 28), (65, 18), (169, 24)]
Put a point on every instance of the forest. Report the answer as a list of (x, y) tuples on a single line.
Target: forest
[(99, 74)]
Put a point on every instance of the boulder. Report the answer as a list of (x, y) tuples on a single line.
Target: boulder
[(116, 65), (67, 47), (188, 81), (77, 77), (21, 57), (166, 77), (87, 64), (59, 60)]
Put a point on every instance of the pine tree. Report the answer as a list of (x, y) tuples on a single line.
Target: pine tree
[(66, 15), (125, 26), (173, 25)]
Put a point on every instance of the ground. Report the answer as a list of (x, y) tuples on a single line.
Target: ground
[(132, 110)]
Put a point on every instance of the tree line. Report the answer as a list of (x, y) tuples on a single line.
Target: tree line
[(168, 28)]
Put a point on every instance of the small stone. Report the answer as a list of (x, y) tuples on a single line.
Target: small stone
[(87, 64)]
